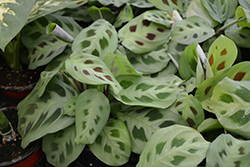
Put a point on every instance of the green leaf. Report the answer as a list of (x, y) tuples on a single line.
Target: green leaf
[(217, 9), (90, 69), (245, 3), (145, 91), (240, 35), (125, 15), (42, 47), (240, 71), (190, 109), (222, 54), (112, 146), (152, 62), (13, 16), (230, 102), (140, 35), (92, 113), (173, 146), (60, 148), (45, 7), (197, 9), (140, 3), (241, 13), (228, 151), (119, 65), (167, 5), (98, 39), (41, 116), (101, 13), (209, 124), (51, 70), (117, 3), (191, 30), (143, 122)]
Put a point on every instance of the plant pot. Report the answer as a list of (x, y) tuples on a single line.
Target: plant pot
[(11, 153)]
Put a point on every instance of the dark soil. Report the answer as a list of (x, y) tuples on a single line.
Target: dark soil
[(13, 78), (13, 150)]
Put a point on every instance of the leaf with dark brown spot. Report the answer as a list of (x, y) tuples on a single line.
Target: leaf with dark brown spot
[(98, 69), (221, 66), (239, 76), (211, 60), (88, 62), (42, 44), (85, 72), (139, 43), (150, 36), (207, 90), (146, 23), (190, 122), (224, 52), (132, 28)]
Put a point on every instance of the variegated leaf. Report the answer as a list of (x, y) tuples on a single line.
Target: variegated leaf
[(13, 16), (112, 146), (140, 35), (41, 116), (170, 70), (152, 62), (92, 70), (240, 35), (60, 148), (145, 91), (167, 5), (240, 71), (140, 3), (119, 65), (117, 3), (42, 47), (231, 103), (197, 9), (190, 109), (92, 113), (159, 17), (45, 7), (101, 13), (191, 30), (217, 9), (228, 151), (99, 39), (143, 122), (173, 146), (222, 54), (209, 124), (51, 70), (125, 15)]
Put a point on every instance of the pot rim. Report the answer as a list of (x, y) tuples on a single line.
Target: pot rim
[(18, 88)]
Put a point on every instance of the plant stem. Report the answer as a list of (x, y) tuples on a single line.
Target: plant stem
[(229, 24), (100, 13)]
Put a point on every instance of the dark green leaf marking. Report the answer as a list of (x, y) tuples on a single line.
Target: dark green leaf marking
[(163, 95), (69, 148), (121, 146), (154, 114), (144, 99), (54, 146), (192, 151), (104, 43), (125, 99), (243, 93), (166, 124), (62, 158), (90, 33), (99, 140), (237, 163), (126, 84), (241, 151), (107, 148), (115, 133), (226, 98), (159, 147), (85, 44), (139, 134), (143, 87), (222, 152), (177, 142), (177, 160), (148, 156), (240, 118)]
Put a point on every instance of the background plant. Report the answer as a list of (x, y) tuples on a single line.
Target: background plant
[(146, 85)]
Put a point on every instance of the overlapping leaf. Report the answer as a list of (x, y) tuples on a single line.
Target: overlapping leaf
[(197, 9), (140, 3), (141, 35), (44, 7), (125, 15), (145, 91), (173, 146), (243, 13), (92, 113), (190, 109), (217, 9), (117, 3), (119, 65), (152, 62), (222, 54), (240, 71), (228, 151), (209, 124), (231, 103), (60, 148), (245, 3), (101, 13), (42, 47), (98, 39), (167, 5), (240, 35), (143, 122), (41, 116), (13, 16), (90, 69), (191, 30), (112, 146)]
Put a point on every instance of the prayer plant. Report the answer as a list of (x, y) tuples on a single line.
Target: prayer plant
[(159, 78)]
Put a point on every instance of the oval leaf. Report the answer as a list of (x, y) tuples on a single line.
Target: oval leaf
[(173, 146)]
